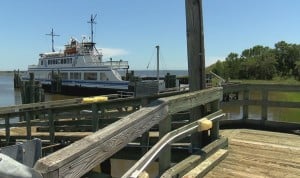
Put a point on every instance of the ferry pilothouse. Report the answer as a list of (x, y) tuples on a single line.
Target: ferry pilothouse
[(81, 68)]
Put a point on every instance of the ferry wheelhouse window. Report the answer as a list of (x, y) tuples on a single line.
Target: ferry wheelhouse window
[(90, 76), (75, 75)]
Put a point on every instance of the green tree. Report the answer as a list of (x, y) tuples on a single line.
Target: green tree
[(231, 66), (286, 55), (219, 68)]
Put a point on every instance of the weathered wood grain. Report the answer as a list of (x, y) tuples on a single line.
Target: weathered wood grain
[(169, 138), (207, 165), (254, 153), (81, 156), (191, 100), (187, 164)]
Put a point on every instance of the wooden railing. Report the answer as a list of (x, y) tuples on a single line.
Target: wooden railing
[(80, 157), (52, 115), (263, 101), (172, 137)]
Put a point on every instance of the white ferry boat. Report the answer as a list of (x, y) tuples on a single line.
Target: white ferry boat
[(81, 68)]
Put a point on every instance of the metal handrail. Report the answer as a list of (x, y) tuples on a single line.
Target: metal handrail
[(169, 138)]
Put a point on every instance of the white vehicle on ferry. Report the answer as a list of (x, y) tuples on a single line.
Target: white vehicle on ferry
[(81, 68)]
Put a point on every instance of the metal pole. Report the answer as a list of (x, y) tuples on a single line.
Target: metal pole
[(157, 66)]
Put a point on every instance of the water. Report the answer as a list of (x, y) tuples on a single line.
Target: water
[(274, 113), (10, 96), (7, 94)]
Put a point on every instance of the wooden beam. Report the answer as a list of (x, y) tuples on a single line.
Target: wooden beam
[(29, 117), (245, 107), (169, 138), (51, 126), (78, 158), (195, 44), (205, 166), (264, 106), (95, 118), (164, 160), (283, 104), (81, 156), (188, 163), (196, 58), (191, 100), (7, 130)]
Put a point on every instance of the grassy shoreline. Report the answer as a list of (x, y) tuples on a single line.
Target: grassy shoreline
[(277, 80)]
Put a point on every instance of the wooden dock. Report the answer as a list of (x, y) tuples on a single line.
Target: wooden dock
[(105, 136), (255, 153)]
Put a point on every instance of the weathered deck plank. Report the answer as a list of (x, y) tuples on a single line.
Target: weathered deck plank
[(20, 133), (254, 153)]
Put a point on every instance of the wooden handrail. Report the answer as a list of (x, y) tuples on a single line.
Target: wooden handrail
[(264, 102), (45, 105), (80, 157)]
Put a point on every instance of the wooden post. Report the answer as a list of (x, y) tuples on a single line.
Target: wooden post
[(215, 105), (245, 106), (165, 155), (264, 106), (196, 57), (157, 67), (105, 165), (28, 124), (7, 130), (145, 136), (95, 118), (51, 126), (195, 44), (31, 88), (102, 116)]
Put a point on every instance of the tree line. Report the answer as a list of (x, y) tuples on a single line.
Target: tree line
[(260, 62)]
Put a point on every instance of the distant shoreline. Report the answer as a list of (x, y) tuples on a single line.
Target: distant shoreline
[(8, 73)]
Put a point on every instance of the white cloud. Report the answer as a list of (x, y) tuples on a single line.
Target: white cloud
[(111, 52)]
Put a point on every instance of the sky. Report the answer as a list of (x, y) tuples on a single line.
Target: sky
[(130, 29)]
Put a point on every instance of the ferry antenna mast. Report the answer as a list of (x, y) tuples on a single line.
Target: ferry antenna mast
[(52, 36), (92, 22)]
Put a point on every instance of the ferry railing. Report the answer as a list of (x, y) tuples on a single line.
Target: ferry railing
[(90, 151), (116, 64), (239, 95), (112, 64)]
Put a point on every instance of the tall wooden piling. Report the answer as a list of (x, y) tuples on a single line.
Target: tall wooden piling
[(17, 79), (31, 91), (196, 57), (56, 82)]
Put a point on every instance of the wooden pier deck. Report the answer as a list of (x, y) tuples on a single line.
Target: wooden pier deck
[(251, 153), (255, 153)]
